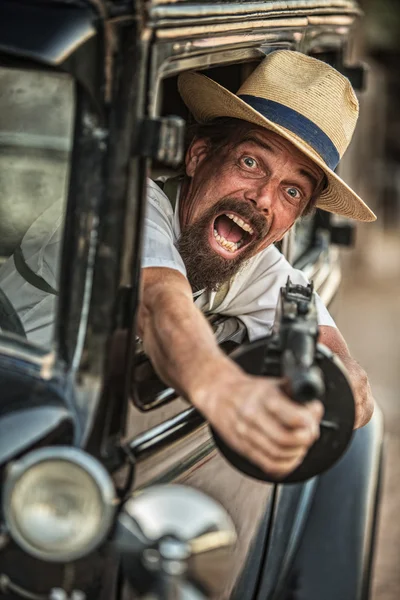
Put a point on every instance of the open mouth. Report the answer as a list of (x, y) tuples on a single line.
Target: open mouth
[(231, 233)]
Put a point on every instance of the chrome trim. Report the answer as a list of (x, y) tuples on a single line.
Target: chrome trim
[(155, 439), (299, 22), (165, 8), (326, 274), (44, 362), (174, 462), (331, 285), (236, 40), (182, 468), (189, 542), (175, 64)]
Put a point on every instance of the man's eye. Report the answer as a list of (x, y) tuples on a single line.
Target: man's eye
[(249, 162), (293, 193)]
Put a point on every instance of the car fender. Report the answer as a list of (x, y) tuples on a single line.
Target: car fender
[(335, 554)]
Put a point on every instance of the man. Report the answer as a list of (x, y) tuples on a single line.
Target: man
[(263, 158)]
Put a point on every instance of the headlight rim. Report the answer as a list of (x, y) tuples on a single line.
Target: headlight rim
[(87, 463)]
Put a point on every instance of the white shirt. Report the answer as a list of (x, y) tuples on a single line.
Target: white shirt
[(254, 291), (252, 296)]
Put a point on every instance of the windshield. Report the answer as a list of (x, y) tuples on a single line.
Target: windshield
[(36, 125)]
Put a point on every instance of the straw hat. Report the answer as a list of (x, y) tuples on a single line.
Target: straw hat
[(302, 99)]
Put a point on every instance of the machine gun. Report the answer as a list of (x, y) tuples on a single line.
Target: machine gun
[(309, 371), (295, 336)]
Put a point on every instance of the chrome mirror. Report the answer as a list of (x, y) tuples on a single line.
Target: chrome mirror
[(176, 543)]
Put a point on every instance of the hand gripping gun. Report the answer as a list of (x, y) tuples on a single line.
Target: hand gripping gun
[(309, 371)]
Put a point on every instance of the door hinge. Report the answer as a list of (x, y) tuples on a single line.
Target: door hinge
[(161, 139)]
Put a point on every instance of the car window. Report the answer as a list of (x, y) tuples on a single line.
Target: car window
[(36, 120)]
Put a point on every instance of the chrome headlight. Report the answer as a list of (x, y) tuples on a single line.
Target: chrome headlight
[(58, 503)]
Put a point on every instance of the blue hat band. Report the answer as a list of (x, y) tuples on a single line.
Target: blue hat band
[(298, 124)]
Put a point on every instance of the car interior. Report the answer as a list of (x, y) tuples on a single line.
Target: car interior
[(35, 146), (36, 124)]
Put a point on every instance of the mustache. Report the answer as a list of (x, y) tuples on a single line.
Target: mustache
[(246, 210), (204, 267)]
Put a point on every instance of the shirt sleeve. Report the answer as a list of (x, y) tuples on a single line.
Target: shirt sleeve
[(159, 237), (255, 298)]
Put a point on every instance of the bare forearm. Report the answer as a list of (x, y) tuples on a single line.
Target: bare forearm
[(363, 398), (362, 392), (252, 414), (177, 338)]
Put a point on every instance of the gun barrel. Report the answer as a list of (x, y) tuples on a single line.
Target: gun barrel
[(305, 384)]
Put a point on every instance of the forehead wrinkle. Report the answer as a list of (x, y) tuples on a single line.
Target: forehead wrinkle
[(255, 140), (313, 180)]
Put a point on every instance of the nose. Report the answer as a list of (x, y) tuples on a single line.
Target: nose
[(262, 195)]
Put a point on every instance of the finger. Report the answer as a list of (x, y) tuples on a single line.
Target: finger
[(316, 408), (270, 436), (254, 415), (286, 438), (289, 413), (255, 440), (269, 461), (299, 418), (272, 466)]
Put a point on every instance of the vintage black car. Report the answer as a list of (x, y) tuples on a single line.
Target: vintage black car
[(89, 108)]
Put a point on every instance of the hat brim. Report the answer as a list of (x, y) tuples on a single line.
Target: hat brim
[(207, 100)]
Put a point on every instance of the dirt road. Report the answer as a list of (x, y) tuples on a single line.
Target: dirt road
[(368, 316)]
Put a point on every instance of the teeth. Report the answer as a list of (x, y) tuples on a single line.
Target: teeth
[(240, 222), (231, 246)]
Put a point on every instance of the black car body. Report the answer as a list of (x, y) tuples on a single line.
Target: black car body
[(115, 66)]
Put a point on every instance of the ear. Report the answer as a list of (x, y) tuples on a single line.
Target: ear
[(195, 154)]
